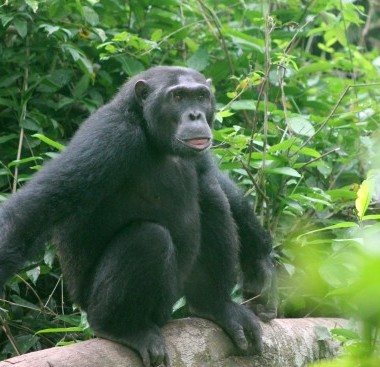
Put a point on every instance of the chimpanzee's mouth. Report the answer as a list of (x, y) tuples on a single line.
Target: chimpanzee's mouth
[(197, 143)]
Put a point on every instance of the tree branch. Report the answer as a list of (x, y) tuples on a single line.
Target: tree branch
[(197, 342)]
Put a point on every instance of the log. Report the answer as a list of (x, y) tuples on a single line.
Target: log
[(195, 342)]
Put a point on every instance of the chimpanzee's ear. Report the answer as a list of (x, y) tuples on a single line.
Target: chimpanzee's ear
[(141, 91), (209, 83)]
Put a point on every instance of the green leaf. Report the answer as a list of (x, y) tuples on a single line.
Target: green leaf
[(17, 162), (287, 171), (301, 125), (199, 60), (244, 104), (9, 80), (5, 19), (49, 141), (30, 124), (156, 35), (309, 152), (315, 68), (285, 145), (21, 26), (79, 57), (81, 87), (33, 4), (26, 342), (50, 29), (341, 194), (310, 199), (34, 274), (346, 333), (371, 217), (70, 319), (64, 344), (90, 15), (73, 329), (49, 256), (244, 39), (225, 113), (8, 103), (22, 302), (101, 34), (335, 226), (130, 66), (230, 165), (5, 138)]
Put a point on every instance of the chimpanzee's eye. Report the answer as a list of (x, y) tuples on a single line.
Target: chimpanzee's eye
[(177, 96), (201, 96)]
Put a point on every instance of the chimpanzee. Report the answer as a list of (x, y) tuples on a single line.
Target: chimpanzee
[(141, 215)]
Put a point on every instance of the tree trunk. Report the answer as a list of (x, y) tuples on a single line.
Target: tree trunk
[(197, 342)]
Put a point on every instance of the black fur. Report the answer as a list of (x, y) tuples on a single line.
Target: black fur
[(141, 215)]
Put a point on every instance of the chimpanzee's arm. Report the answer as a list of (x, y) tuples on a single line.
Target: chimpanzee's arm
[(259, 275)]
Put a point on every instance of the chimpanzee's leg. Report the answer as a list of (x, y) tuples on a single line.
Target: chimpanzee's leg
[(134, 289), (209, 287)]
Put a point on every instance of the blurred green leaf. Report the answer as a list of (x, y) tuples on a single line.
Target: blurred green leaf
[(21, 26), (287, 171), (301, 125), (199, 60), (364, 196)]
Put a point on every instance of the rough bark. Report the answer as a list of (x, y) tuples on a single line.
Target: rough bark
[(198, 343)]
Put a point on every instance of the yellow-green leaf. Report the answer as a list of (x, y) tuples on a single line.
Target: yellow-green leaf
[(364, 197)]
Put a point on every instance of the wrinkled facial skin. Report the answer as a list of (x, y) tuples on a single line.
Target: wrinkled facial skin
[(179, 115)]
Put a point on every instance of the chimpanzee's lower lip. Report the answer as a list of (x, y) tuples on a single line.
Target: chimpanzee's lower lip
[(197, 143)]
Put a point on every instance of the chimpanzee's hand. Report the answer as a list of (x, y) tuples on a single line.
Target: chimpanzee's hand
[(260, 289), (152, 349), (241, 325), (148, 343)]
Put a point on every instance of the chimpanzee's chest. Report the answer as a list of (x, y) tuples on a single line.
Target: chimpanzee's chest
[(167, 184), (164, 191)]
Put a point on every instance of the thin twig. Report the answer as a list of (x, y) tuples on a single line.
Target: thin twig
[(247, 169), (52, 292), (318, 158), (268, 30), (256, 115), (30, 288), (251, 299), (8, 333), (263, 87), (282, 67), (354, 76), (218, 27), (18, 156), (182, 15), (367, 25)]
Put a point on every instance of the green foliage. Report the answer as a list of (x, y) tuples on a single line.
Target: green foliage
[(297, 125)]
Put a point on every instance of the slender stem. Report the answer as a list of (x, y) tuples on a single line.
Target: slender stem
[(248, 170), (23, 114)]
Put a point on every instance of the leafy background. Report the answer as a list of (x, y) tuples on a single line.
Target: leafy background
[(297, 84)]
